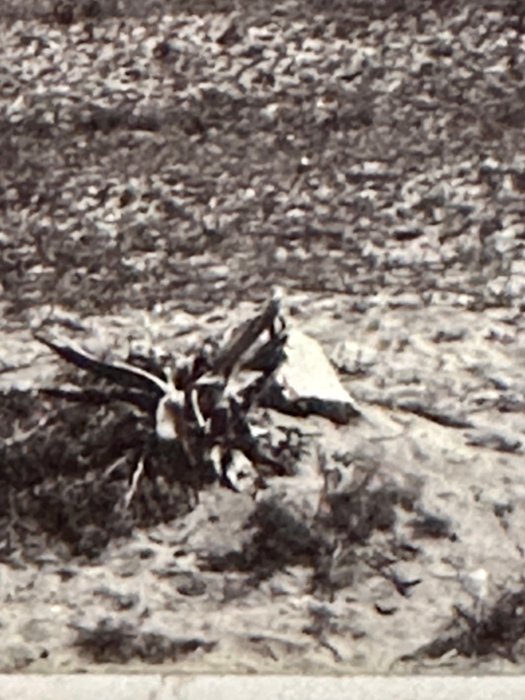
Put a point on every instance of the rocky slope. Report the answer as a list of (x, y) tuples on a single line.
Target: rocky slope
[(162, 165)]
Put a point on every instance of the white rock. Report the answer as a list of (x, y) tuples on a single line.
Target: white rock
[(307, 376), (354, 357), (476, 583)]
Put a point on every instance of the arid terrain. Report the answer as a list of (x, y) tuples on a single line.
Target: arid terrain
[(163, 165)]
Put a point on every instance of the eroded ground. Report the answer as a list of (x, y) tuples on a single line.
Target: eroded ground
[(161, 168)]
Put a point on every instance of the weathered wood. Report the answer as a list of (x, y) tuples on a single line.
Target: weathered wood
[(226, 358), (204, 411), (118, 372), (97, 397), (208, 405)]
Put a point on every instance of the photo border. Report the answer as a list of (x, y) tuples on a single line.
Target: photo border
[(237, 687)]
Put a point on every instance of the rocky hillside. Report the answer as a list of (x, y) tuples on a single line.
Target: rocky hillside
[(162, 165)]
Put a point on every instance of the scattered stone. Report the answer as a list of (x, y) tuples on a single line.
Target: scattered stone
[(495, 441), (190, 585), (35, 630), (120, 601), (432, 413), (16, 657), (354, 358)]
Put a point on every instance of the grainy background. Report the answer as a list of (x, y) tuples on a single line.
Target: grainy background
[(380, 145)]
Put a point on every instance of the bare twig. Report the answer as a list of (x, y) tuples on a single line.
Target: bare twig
[(139, 470)]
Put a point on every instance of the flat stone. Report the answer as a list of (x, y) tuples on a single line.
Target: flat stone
[(306, 383)]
